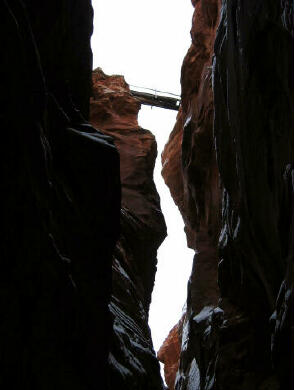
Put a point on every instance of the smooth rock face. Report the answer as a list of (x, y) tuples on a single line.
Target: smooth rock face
[(244, 340), (61, 208), (253, 88), (133, 364)]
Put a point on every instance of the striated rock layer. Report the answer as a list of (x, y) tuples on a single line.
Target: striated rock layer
[(61, 209), (234, 188), (133, 364)]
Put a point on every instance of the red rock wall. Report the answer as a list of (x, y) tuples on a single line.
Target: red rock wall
[(114, 110), (190, 170), (169, 353), (189, 151), (228, 163)]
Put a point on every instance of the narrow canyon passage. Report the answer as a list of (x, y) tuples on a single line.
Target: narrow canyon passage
[(82, 228), (232, 289), (174, 257), (152, 57)]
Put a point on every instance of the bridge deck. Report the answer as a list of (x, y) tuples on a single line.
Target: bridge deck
[(156, 100)]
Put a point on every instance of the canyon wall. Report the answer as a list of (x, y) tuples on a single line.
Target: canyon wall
[(60, 213), (190, 170), (133, 364), (169, 353), (228, 164), (68, 223), (253, 90), (81, 219)]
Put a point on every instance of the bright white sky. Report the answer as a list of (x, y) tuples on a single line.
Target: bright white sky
[(146, 42)]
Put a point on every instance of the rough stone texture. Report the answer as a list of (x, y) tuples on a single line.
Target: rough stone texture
[(61, 202), (133, 364), (112, 105), (169, 353), (244, 340)]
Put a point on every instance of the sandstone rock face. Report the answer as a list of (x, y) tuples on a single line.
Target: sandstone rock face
[(169, 353), (133, 363), (240, 337), (112, 105), (61, 209), (189, 153), (190, 170)]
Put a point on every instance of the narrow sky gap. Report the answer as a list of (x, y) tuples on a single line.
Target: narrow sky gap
[(146, 42), (174, 258)]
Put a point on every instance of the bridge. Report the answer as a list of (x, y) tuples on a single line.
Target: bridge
[(160, 99)]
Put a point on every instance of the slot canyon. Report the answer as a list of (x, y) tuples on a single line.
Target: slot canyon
[(81, 220)]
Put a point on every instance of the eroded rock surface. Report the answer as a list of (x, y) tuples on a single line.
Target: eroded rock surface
[(61, 209), (189, 155), (190, 170), (112, 105), (169, 353), (233, 186), (133, 363)]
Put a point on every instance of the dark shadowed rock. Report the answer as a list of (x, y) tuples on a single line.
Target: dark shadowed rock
[(253, 86), (60, 214)]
